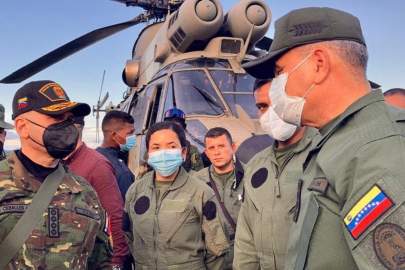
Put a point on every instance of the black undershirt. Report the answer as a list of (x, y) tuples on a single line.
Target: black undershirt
[(38, 171)]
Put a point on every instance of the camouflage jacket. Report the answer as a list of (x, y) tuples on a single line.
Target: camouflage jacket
[(177, 230), (193, 160), (74, 214)]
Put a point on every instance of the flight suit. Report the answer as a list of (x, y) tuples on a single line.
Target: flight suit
[(352, 213), (176, 229), (72, 230), (269, 198), (231, 196)]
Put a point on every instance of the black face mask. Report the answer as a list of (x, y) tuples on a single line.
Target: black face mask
[(1, 147), (60, 139)]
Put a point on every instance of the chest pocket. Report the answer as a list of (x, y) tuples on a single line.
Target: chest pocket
[(301, 232), (175, 215), (72, 227)]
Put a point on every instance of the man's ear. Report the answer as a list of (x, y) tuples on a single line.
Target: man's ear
[(234, 147), (21, 128), (322, 65)]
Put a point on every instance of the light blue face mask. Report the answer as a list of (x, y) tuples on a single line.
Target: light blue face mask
[(166, 161), (130, 142)]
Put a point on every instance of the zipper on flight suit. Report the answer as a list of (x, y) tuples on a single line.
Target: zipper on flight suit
[(155, 234), (279, 171)]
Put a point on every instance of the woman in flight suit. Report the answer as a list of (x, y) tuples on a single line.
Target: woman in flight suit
[(173, 218)]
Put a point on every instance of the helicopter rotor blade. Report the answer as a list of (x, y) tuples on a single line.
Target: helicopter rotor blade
[(69, 49), (104, 100)]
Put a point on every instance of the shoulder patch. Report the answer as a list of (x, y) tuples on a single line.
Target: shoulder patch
[(259, 177), (142, 205), (389, 245), (367, 210), (210, 210)]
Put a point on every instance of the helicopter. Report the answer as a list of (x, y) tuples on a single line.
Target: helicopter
[(190, 58)]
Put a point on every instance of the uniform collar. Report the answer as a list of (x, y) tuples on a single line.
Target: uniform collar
[(178, 182), (373, 97), (328, 130), (24, 180)]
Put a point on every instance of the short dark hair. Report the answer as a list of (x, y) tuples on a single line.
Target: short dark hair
[(394, 91), (116, 116), (176, 128), (259, 83), (218, 131)]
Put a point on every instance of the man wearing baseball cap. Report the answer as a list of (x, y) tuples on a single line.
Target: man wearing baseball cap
[(49, 218), (349, 211), (3, 126)]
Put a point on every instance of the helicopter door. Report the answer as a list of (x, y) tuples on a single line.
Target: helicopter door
[(154, 94)]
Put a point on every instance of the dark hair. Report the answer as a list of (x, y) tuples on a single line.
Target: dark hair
[(218, 131), (117, 116), (176, 128), (394, 91), (259, 83)]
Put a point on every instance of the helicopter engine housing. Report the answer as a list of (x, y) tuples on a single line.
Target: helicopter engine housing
[(195, 21), (244, 16)]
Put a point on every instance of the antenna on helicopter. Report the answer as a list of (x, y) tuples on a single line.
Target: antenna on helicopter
[(97, 109)]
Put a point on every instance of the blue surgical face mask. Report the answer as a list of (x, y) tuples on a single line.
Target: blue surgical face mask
[(165, 161), (130, 142)]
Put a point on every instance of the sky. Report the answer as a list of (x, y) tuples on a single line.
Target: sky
[(29, 29)]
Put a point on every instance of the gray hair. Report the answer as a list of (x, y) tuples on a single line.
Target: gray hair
[(351, 52)]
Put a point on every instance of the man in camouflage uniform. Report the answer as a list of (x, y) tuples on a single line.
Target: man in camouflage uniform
[(350, 205), (72, 228), (193, 159), (270, 182), (3, 126), (224, 176)]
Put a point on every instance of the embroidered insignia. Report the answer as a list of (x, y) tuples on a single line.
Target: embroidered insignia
[(59, 106), (13, 208), (367, 210), (22, 103), (53, 92), (87, 213), (53, 222), (389, 245)]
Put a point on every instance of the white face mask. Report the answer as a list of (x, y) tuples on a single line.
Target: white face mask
[(289, 108), (275, 127)]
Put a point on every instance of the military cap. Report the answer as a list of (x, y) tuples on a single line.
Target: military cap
[(305, 26), (3, 123), (46, 97)]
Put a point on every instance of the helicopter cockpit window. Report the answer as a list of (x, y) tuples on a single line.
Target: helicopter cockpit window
[(236, 89), (192, 92), (202, 62)]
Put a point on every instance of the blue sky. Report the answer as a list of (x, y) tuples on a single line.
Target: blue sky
[(29, 29)]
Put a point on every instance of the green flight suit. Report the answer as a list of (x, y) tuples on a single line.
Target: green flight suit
[(230, 188), (79, 222), (352, 213), (176, 229), (270, 182)]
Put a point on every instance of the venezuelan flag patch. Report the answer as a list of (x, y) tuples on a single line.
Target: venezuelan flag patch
[(367, 210), (22, 103)]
